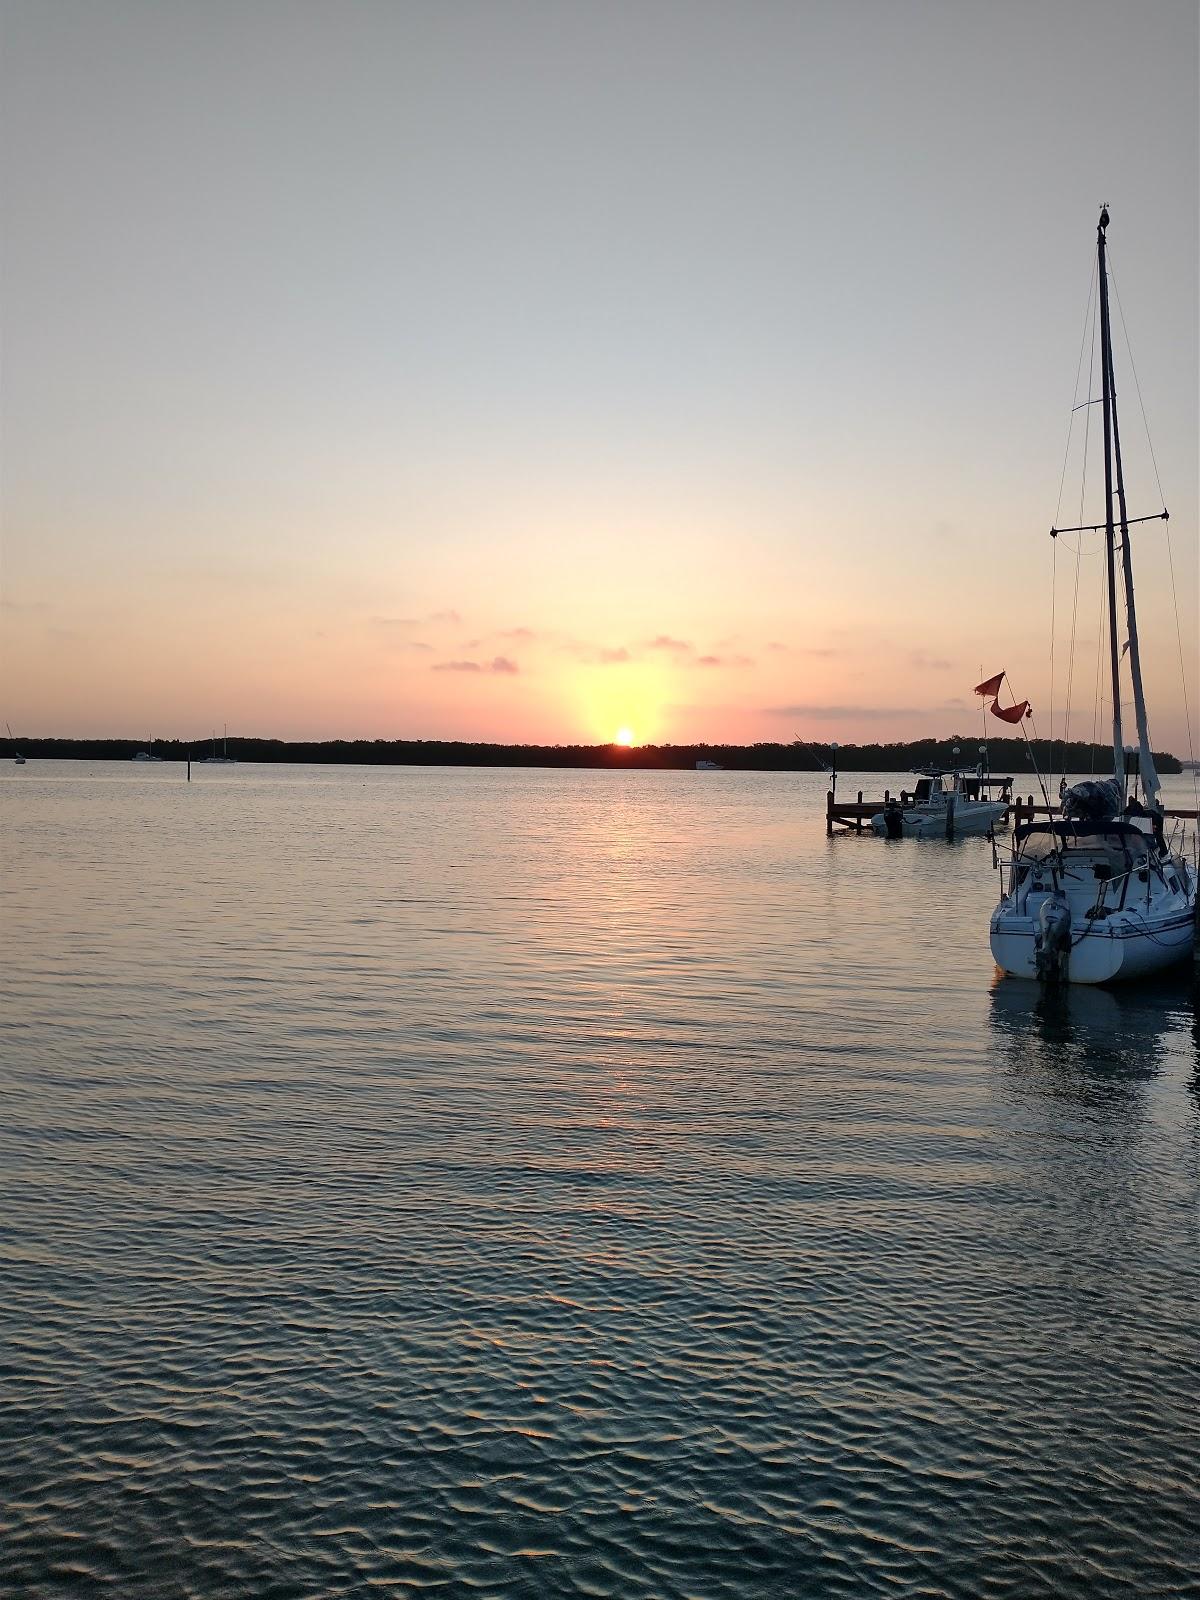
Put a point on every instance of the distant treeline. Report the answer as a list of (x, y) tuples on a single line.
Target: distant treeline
[(1005, 755)]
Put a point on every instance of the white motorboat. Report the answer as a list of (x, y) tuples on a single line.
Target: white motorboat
[(146, 755), (1098, 893), (709, 766), (943, 805)]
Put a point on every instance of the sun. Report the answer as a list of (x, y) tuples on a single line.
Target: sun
[(624, 736)]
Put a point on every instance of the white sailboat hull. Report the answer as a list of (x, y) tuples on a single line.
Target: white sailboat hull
[(1125, 945)]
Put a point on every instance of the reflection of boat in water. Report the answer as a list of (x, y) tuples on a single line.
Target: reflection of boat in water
[(1117, 1034), (943, 805), (1122, 1029)]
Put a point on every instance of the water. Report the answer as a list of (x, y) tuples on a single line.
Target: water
[(571, 1184)]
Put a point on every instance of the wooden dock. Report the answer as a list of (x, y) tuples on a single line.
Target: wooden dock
[(850, 815)]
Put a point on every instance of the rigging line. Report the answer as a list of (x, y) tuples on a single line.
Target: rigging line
[(1187, 713), (1093, 306), (1098, 686), (1087, 421), (1071, 657), (1136, 384), (1053, 636), (1170, 553), (1088, 315)]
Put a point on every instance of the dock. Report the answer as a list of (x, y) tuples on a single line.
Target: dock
[(850, 815)]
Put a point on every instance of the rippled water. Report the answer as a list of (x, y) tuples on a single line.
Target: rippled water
[(553, 1184)]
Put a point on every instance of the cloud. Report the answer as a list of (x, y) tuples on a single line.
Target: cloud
[(613, 657), (500, 664), (517, 633), (821, 713), (725, 661), (394, 630), (400, 623), (665, 642), (918, 658)]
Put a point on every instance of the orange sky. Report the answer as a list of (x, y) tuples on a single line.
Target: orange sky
[(392, 371)]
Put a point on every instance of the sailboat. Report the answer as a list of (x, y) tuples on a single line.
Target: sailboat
[(224, 759), (1098, 894), (18, 758), (146, 755)]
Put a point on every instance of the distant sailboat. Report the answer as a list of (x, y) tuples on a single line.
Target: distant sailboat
[(18, 758), (224, 759), (147, 755)]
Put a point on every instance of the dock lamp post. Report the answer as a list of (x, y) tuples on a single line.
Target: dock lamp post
[(834, 748)]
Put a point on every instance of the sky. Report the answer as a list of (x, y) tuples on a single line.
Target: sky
[(507, 370)]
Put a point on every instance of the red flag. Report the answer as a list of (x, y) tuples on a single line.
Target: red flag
[(1009, 713), (992, 686)]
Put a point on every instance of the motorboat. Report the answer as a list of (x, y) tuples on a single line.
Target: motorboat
[(944, 804)]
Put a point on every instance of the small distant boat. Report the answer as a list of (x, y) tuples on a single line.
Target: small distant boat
[(709, 766), (147, 755), (943, 805), (18, 758), (224, 759)]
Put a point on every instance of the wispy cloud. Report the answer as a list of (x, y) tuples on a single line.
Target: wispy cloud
[(822, 713), (725, 661), (518, 633), (918, 659), (500, 664), (613, 657), (400, 623), (665, 642)]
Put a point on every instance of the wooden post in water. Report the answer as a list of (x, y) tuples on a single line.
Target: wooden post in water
[(829, 811), (858, 818), (189, 769)]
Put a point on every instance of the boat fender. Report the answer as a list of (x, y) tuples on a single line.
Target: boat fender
[(1052, 941)]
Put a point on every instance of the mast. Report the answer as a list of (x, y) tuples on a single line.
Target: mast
[(1150, 784), (1109, 534)]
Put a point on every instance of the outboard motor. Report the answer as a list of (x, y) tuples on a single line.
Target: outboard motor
[(1052, 941), (893, 819), (1094, 800)]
